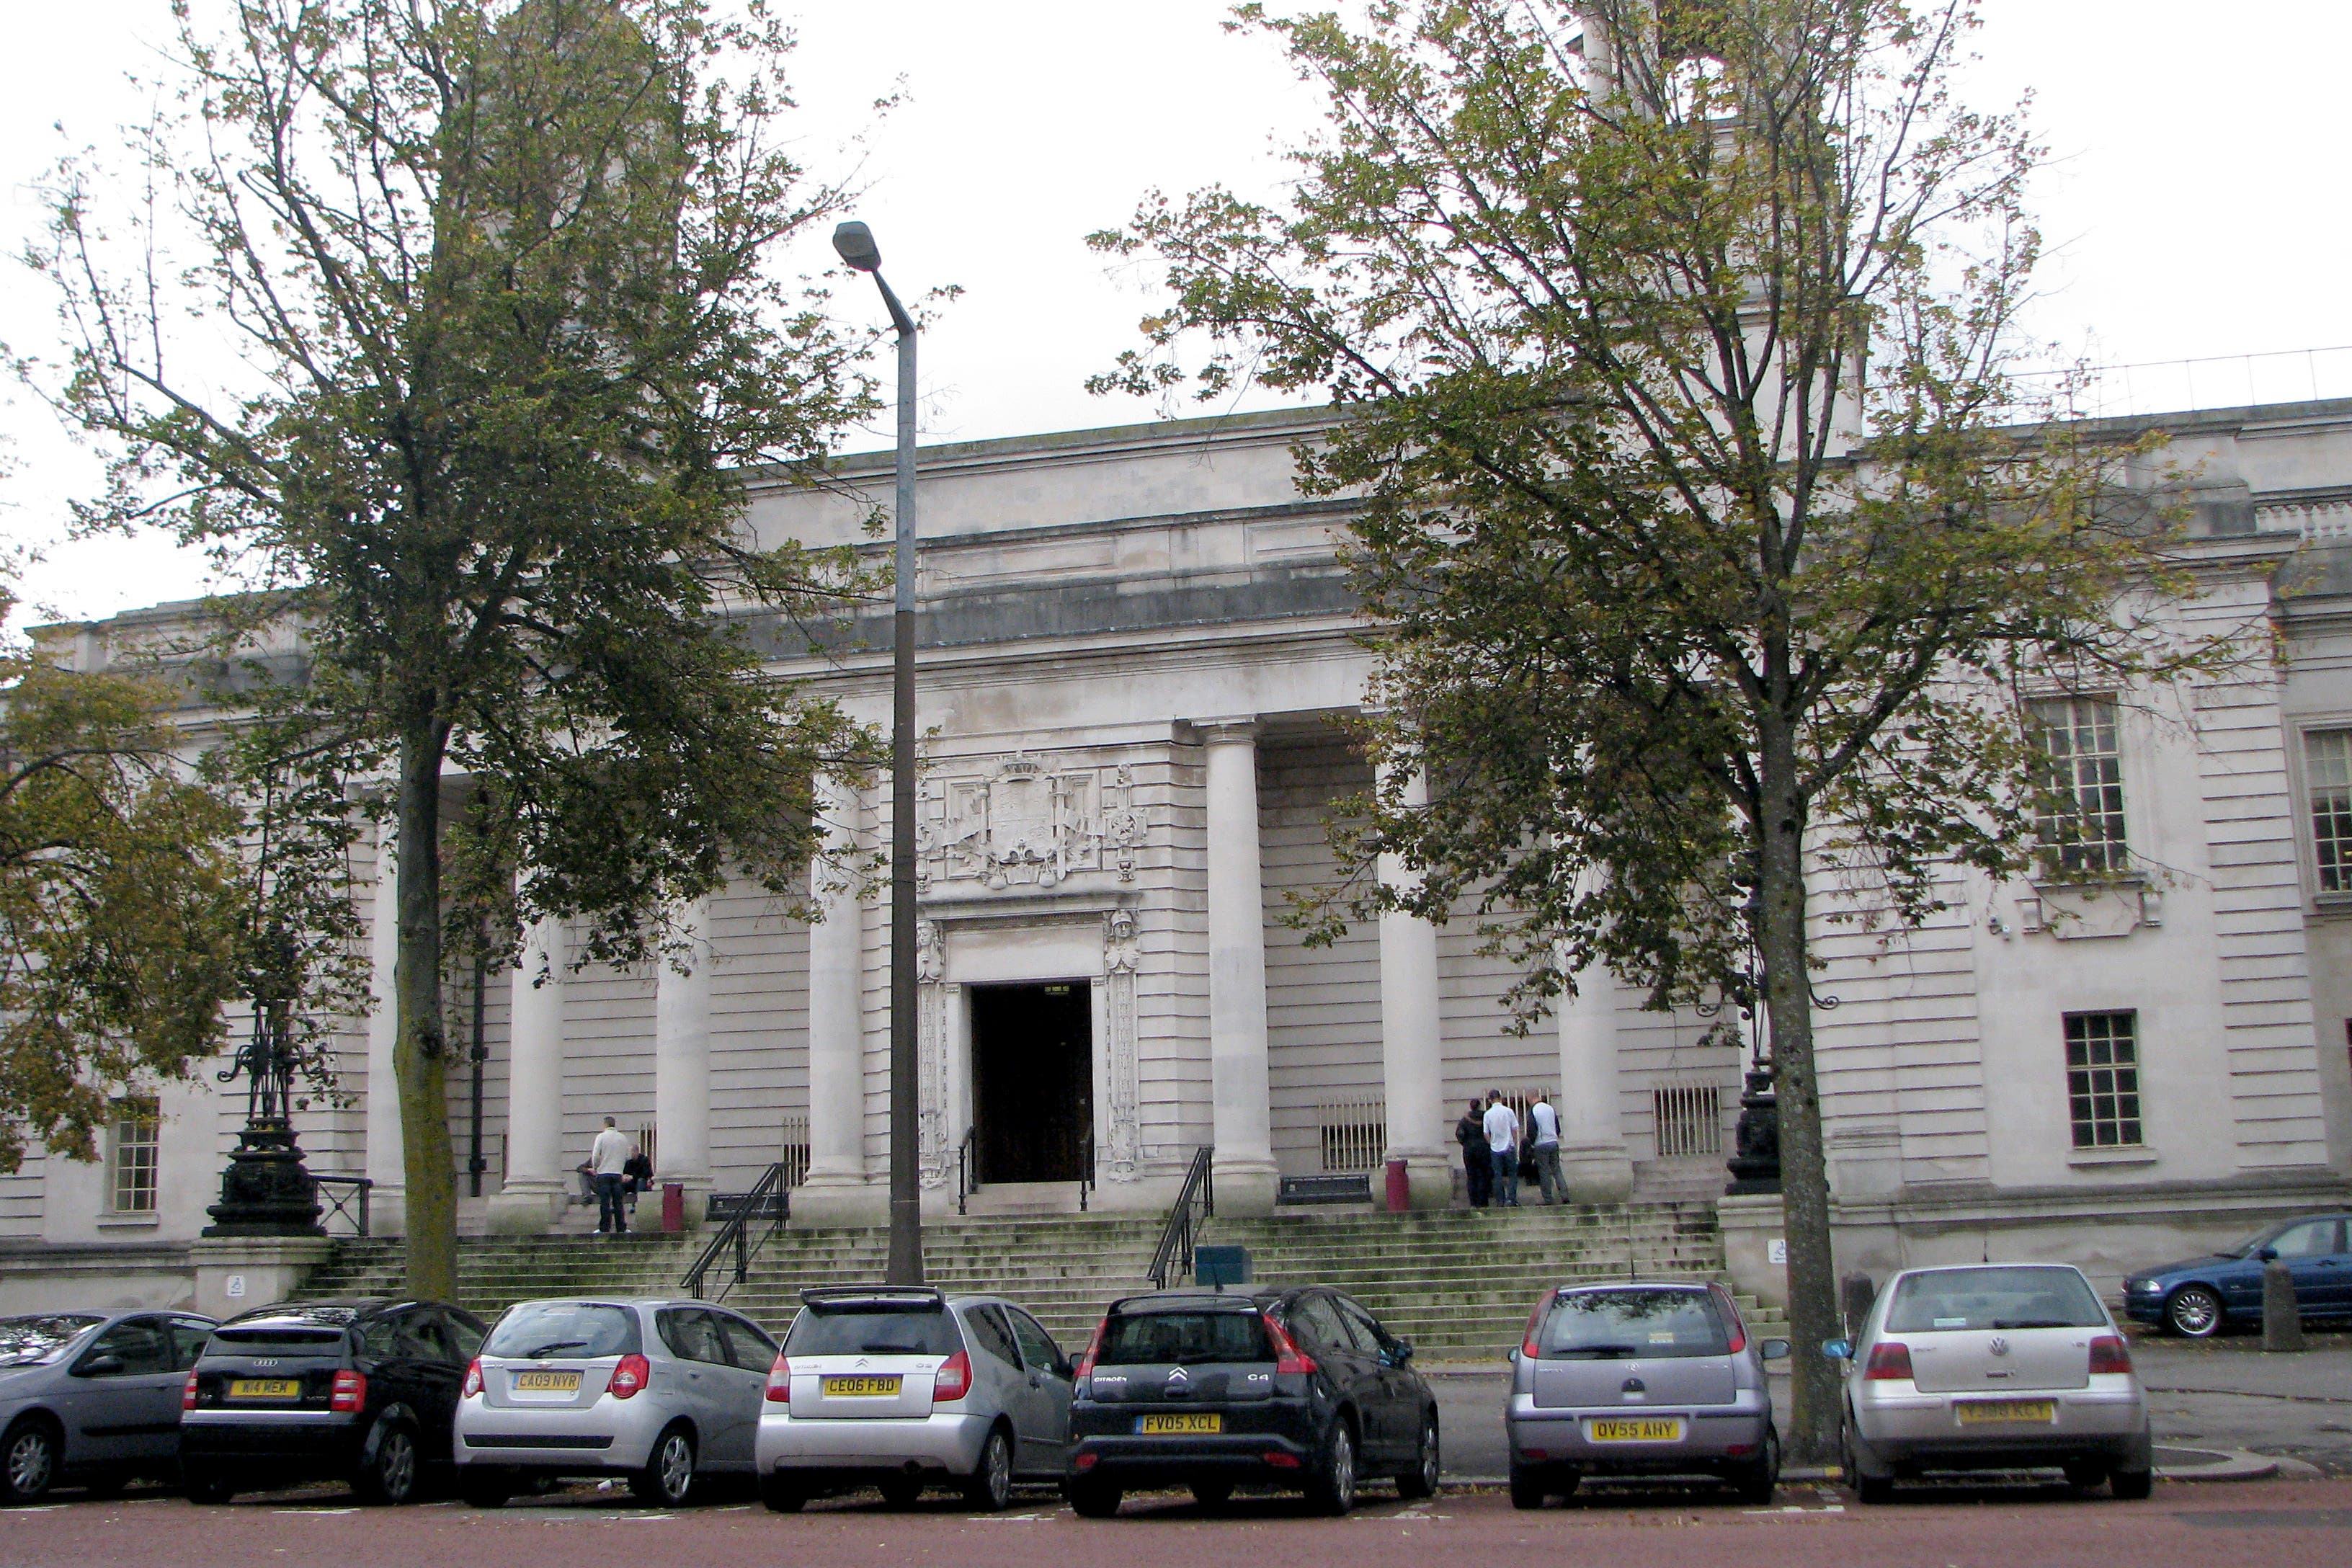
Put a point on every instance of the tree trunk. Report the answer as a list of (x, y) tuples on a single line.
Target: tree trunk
[(1813, 1434), (420, 1056)]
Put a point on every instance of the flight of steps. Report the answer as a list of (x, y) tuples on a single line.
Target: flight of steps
[(1458, 1283)]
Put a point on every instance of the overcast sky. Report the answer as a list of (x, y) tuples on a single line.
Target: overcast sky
[(2195, 206)]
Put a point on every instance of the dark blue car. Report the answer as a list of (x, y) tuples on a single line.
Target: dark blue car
[(2203, 1295)]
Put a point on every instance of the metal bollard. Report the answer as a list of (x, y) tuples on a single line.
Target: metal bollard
[(2282, 1318)]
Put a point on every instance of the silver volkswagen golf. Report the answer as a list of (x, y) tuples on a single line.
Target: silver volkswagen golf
[(1993, 1366), (656, 1391), (901, 1388)]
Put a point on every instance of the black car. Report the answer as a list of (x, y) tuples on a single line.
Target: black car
[(363, 1390), (1297, 1389)]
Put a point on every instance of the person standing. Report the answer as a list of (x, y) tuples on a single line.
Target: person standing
[(1543, 1148), (1477, 1160), (1503, 1138), (608, 1160)]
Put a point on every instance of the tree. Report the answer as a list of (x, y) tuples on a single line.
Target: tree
[(511, 342), (1673, 343)]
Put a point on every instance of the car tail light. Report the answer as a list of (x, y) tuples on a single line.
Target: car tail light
[(1279, 1460), (953, 1380), (779, 1382), (473, 1379), (348, 1391), (1732, 1322), (2109, 1353), (1535, 1453), (630, 1375), (1085, 1461), (1889, 1360), (188, 1393), (1094, 1348), (1288, 1356), (1528, 1346)]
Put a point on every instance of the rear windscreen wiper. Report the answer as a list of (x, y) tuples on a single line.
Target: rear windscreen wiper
[(551, 1346)]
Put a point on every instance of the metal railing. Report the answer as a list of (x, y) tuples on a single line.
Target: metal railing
[(1085, 1165), (967, 1158), (1355, 1133), (1174, 1254), (351, 1205), (767, 1201)]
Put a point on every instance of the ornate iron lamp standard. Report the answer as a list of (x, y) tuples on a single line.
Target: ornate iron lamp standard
[(266, 1191)]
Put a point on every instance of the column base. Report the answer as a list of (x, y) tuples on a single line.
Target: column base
[(388, 1211), (820, 1204), (238, 1273), (1597, 1172), (1245, 1189), (525, 1208)]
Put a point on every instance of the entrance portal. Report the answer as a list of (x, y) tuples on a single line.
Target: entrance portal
[(1032, 1081)]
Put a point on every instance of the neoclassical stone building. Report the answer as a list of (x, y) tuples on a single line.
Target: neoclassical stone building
[(1135, 643)]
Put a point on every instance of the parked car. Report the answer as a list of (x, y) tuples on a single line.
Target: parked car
[(1293, 1388), (2201, 1296), (1640, 1379), (656, 1390), (901, 1388), (1993, 1366), (91, 1398), (362, 1391)]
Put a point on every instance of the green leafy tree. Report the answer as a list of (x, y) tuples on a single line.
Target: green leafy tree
[(1672, 342), (510, 339)]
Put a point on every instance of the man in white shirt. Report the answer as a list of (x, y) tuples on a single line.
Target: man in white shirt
[(1543, 1148), (1503, 1138), (606, 1158)]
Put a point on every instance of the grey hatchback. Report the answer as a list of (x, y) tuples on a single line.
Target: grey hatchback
[(92, 1398)]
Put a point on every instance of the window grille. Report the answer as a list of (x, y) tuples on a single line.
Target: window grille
[(795, 1155), (2103, 1078), (2082, 824), (2327, 769), (133, 1143), (1355, 1133), (1689, 1119)]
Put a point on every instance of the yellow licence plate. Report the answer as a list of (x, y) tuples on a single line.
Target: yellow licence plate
[(1206, 1422), (862, 1387), (1652, 1431), (265, 1388), (547, 1382), (1979, 1412)]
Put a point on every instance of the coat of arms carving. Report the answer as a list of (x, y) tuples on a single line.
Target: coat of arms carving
[(1025, 824)]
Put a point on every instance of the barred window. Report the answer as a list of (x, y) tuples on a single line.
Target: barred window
[(2081, 825), (2103, 1078), (131, 1146), (2327, 768)]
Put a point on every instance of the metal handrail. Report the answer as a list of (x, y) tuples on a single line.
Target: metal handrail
[(967, 1157), (1174, 1254), (358, 1189), (1087, 1166), (769, 1195)]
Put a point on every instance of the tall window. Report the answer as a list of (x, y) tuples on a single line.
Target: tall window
[(2103, 1078), (2327, 768), (131, 1146), (2082, 825)]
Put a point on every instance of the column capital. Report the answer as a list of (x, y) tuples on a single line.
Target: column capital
[(1236, 730)]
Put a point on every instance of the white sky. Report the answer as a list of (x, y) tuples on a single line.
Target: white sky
[(2188, 207)]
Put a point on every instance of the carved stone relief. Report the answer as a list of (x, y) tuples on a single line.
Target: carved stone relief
[(1022, 823), (933, 1153), (1121, 959)]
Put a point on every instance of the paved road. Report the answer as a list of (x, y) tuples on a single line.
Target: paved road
[(2263, 1521)]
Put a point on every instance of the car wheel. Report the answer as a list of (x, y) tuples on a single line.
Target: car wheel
[(667, 1478), (991, 1486), (901, 1491), (1421, 1480), (2132, 1486), (1867, 1488), (207, 1487), (1756, 1484), (1528, 1490), (1093, 1499), (485, 1490), (1212, 1494), (391, 1476), (783, 1493), (1332, 1489), (28, 1461), (2194, 1313)]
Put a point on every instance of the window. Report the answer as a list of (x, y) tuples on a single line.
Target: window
[(1688, 1118), (130, 1155), (2103, 1078), (2082, 823), (2327, 769)]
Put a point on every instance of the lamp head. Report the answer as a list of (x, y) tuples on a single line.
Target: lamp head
[(853, 243)]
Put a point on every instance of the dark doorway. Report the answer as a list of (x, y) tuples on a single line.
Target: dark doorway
[(1032, 1079)]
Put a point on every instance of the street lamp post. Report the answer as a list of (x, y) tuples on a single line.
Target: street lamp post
[(855, 243)]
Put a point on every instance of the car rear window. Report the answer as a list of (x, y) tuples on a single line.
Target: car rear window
[(1153, 1338), (30, 1340), (2013, 1297), (587, 1329), (1626, 1325), (892, 1330)]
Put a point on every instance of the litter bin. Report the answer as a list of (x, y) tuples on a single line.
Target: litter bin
[(673, 1205), (1400, 1188)]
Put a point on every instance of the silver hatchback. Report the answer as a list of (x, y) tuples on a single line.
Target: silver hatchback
[(901, 1388), (655, 1391)]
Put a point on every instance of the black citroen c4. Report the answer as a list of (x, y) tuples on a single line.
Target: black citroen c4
[(1297, 1389)]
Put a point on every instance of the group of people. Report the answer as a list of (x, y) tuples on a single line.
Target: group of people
[(620, 1171), (1497, 1153)]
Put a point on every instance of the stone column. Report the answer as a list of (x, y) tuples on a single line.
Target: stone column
[(682, 1065), (531, 1197), (387, 1159), (1244, 1170), (1592, 1146), (836, 1191), (1412, 1068)]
